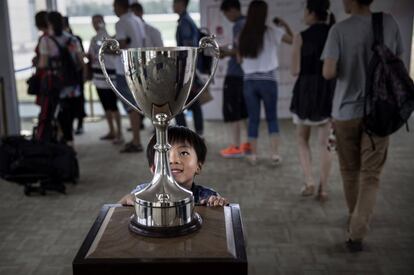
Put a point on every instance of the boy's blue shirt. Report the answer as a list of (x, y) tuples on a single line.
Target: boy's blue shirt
[(199, 192)]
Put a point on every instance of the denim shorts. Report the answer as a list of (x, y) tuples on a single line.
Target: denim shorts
[(256, 92)]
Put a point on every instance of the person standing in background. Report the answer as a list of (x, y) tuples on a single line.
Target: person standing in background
[(258, 45), (107, 97), (79, 104), (50, 54), (41, 25), (130, 33), (153, 36), (187, 35), (47, 103), (346, 57), (311, 103), (234, 107)]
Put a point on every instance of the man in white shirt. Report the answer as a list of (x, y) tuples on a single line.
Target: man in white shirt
[(130, 33), (152, 35)]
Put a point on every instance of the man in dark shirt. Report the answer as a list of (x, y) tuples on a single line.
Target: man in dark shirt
[(188, 35)]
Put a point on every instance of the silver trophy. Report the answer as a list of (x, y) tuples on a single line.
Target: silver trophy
[(159, 81)]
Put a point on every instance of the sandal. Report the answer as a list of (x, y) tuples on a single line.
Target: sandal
[(321, 195), (307, 190), (132, 148), (118, 140), (107, 137), (276, 160)]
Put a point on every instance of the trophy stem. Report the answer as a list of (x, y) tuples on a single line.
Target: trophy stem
[(162, 165)]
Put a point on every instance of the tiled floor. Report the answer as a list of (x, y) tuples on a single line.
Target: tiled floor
[(286, 234)]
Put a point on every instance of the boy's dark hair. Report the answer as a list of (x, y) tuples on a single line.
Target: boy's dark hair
[(41, 20), (183, 135), (226, 5), (122, 3), (365, 2), (55, 19), (137, 7)]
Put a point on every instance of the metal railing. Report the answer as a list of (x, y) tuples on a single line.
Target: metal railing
[(23, 69)]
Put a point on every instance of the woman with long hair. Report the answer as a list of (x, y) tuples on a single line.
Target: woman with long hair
[(258, 56), (312, 95)]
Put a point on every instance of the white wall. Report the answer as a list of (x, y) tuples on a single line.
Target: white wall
[(292, 12)]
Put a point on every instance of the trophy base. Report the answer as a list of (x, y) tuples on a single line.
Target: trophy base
[(166, 232)]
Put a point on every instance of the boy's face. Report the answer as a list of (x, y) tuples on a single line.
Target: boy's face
[(184, 164)]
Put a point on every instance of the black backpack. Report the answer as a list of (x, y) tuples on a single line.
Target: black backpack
[(389, 91), (65, 65), (205, 61)]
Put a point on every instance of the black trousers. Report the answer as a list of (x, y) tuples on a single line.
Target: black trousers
[(197, 117), (69, 108)]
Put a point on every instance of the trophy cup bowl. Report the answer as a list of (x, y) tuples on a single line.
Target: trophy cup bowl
[(160, 81)]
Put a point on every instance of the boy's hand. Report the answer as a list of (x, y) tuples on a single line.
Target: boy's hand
[(214, 201), (127, 200)]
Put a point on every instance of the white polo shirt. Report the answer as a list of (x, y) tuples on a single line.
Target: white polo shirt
[(267, 59), (132, 27)]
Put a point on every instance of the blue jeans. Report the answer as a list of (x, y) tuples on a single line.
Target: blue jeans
[(254, 92)]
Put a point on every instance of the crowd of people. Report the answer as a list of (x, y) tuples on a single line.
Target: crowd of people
[(329, 60)]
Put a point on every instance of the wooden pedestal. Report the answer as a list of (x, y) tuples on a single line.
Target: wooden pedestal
[(217, 248)]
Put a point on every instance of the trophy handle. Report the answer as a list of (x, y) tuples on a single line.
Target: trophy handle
[(113, 46), (207, 41)]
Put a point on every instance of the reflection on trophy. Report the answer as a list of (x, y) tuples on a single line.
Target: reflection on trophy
[(160, 81)]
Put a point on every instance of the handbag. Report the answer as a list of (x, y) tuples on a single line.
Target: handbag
[(33, 84), (205, 97)]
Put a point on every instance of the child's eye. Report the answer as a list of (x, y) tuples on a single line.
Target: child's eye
[(185, 153)]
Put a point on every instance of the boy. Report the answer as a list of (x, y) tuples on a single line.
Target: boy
[(187, 155), (234, 107)]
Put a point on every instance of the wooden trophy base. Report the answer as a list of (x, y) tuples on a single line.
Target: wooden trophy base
[(166, 232), (218, 247)]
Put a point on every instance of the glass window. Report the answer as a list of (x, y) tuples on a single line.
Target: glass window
[(158, 13)]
